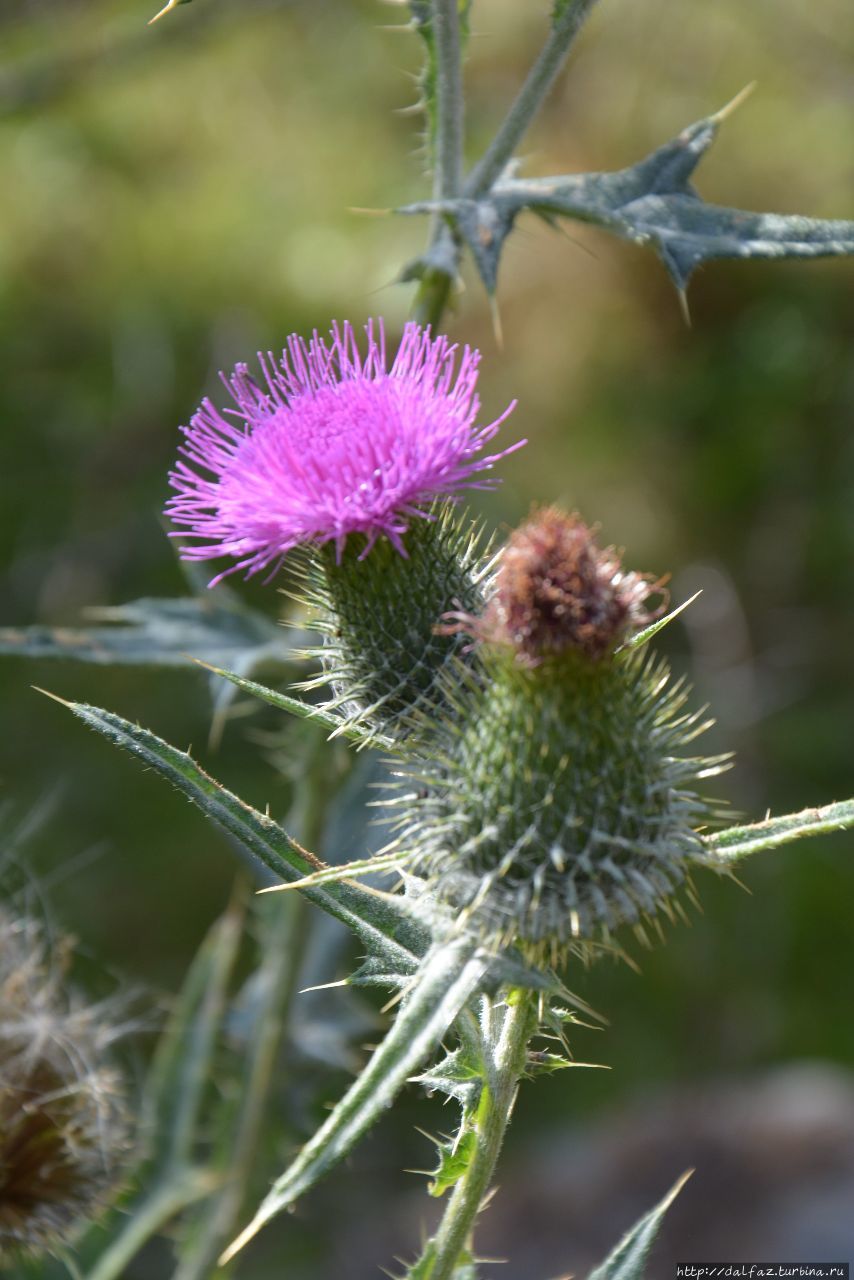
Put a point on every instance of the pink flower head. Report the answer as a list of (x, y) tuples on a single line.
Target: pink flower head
[(330, 443)]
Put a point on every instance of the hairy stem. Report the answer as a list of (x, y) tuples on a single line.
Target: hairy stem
[(448, 155), (505, 1064), (736, 842), (436, 285), (570, 18), (434, 292)]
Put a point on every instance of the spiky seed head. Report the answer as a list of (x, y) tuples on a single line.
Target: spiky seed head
[(563, 799), (557, 591), (63, 1126)]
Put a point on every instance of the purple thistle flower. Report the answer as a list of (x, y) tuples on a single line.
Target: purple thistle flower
[(330, 444)]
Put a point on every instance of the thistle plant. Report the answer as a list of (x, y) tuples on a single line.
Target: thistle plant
[(543, 788), (546, 794)]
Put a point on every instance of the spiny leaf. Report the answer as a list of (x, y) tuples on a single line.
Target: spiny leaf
[(296, 707), (628, 1259), (380, 921), (451, 974), (213, 629), (457, 1075), (160, 633), (651, 203), (737, 842), (454, 1159)]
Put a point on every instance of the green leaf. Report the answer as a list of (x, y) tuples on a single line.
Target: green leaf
[(243, 1115), (380, 921), (212, 629), (628, 1259), (160, 633), (181, 1071), (177, 1088), (451, 974), (458, 1075), (454, 1159), (304, 710), (652, 203), (737, 842)]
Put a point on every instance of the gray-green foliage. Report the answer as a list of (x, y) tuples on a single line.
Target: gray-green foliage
[(388, 930), (214, 628), (628, 1259), (651, 203)]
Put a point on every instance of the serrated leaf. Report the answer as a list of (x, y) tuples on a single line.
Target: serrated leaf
[(451, 974), (651, 203), (160, 633), (457, 1076), (380, 921), (737, 842), (454, 1159), (296, 707), (540, 1062), (628, 1260)]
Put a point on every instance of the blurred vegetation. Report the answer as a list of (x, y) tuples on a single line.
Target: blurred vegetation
[(176, 198)]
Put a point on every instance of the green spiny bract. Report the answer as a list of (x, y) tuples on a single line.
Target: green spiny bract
[(561, 801), (382, 654)]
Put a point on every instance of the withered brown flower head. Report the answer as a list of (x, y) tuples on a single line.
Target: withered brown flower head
[(63, 1132), (557, 591)]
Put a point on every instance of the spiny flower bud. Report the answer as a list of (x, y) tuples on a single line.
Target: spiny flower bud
[(560, 802), (383, 655), (63, 1132)]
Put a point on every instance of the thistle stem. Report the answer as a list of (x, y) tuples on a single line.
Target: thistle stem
[(736, 842), (572, 15), (437, 283), (434, 291), (504, 1067), (448, 155)]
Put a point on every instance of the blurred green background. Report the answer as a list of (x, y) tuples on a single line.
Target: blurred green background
[(175, 198)]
